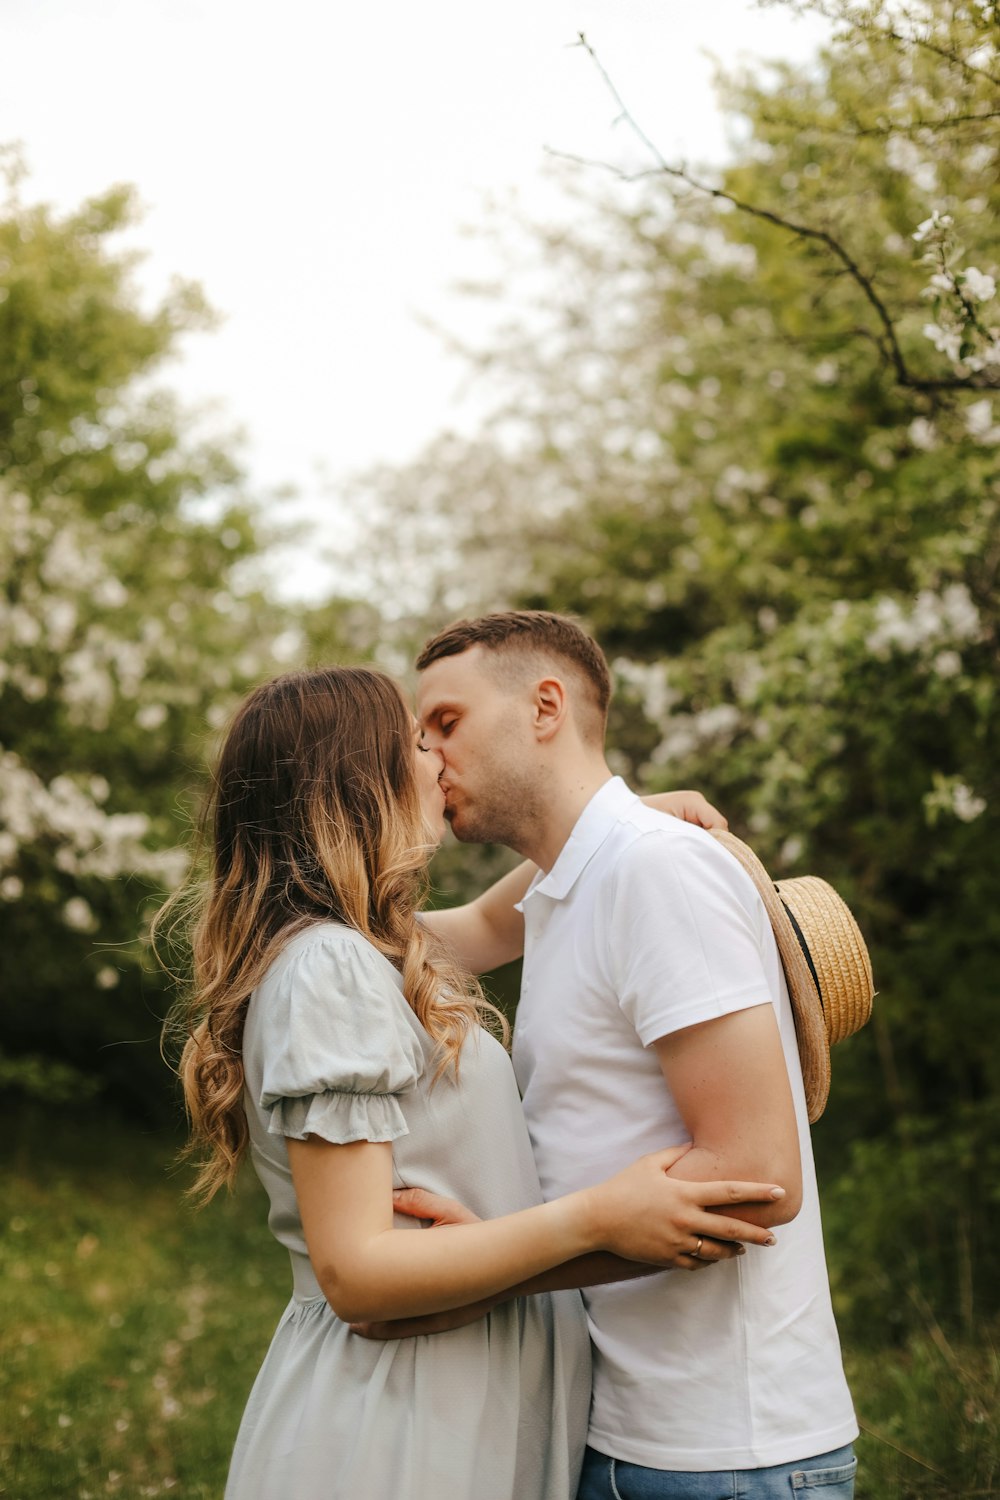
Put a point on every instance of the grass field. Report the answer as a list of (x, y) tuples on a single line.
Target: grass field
[(131, 1329)]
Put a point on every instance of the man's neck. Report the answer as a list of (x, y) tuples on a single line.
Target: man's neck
[(567, 795)]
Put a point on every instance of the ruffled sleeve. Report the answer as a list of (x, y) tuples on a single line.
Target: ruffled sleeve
[(337, 1044)]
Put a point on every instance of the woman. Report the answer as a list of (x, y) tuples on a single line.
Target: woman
[(333, 1038)]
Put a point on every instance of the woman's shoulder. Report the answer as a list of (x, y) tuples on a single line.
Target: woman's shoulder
[(329, 991), (333, 945), (327, 974)]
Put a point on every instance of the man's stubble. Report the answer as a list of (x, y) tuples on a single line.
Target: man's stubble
[(509, 804)]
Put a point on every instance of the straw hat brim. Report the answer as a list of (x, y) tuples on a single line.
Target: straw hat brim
[(826, 964)]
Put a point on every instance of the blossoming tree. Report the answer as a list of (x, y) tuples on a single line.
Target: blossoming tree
[(128, 621), (750, 433)]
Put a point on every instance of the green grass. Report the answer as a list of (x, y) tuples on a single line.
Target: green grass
[(131, 1329), (930, 1416)]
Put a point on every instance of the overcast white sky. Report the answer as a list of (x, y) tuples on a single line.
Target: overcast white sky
[(312, 165)]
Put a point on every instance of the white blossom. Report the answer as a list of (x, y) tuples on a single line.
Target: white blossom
[(965, 804), (686, 733), (151, 716), (88, 841), (936, 222), (904, 155), (922, 433), (947, 664), (78, 916), (947, 341), (979, 423), (650, 683), (932, 621), (977, 285), (953, 797), (110, 593), (790, 850)]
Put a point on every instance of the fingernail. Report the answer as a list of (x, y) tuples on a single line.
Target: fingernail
[(771, 1241), (741, 1249), (777, 1192)]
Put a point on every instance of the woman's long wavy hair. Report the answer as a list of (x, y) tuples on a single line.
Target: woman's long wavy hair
[(313, 814)]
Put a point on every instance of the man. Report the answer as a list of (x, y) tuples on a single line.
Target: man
[(653, 1012)]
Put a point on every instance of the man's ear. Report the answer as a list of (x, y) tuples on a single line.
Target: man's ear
[(551, 707)]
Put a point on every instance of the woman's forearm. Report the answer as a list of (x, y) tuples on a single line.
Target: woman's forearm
[(595, 1269), (401, 1275), (370, 1271)]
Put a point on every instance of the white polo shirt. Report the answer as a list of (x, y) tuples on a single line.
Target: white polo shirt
[(643, 926)]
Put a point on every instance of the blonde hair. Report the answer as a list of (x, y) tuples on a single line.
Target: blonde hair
[(314, 814)]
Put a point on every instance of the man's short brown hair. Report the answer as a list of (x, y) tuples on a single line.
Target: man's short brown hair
[(531, 632)]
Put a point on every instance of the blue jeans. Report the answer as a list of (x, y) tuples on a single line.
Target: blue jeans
[(829, 1476)]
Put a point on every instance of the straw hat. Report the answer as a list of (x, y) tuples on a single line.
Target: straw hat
[(826, 964)]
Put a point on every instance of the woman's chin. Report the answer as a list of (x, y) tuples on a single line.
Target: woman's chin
[(434, 830)]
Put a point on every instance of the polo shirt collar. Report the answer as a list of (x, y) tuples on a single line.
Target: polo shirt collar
[(604, 810)]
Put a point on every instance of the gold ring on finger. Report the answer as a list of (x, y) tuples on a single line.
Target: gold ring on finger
[(696, 1252)]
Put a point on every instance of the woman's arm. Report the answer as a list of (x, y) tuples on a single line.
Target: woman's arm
[(597, 1269), (369, 1271), (488, 932)]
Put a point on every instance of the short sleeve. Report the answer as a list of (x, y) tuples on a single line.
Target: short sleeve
[(687, 930), (337, 1046)]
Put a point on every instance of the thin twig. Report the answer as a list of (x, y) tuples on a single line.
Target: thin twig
[(891, 127), (838, 15), (891, 1443), (889, 343), (889, 35)]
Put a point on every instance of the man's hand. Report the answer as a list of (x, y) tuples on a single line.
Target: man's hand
[(690, 807), (418, 1203)]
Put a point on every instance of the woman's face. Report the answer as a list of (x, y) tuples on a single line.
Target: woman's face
[(428, 765)]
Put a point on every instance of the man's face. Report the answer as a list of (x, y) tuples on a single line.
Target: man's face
[(483, 729)]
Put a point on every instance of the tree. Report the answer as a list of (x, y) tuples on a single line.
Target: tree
[(130, 618), (750, 431)]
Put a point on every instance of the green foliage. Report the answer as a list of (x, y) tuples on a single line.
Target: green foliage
[(39, 1078), (912, 1205), (928, 1417), (129, 621)]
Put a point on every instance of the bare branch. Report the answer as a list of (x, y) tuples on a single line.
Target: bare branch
[(888, 34), (890, 127), (840, 14), (889, 341)]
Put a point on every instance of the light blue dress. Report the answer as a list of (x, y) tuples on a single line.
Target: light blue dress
[(494, 1411)]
